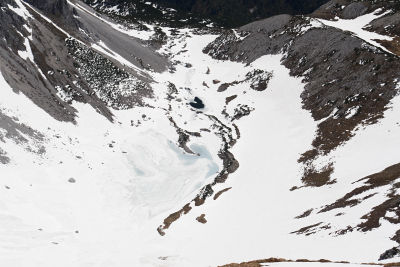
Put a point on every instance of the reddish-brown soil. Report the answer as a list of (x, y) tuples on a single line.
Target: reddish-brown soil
[(217, 195), (257, 263), (202, 219)]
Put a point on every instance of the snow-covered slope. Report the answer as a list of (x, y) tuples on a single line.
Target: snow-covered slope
[(213, 146)]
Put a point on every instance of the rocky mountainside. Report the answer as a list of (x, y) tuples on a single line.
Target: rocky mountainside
[(228, 13), (138, 134)]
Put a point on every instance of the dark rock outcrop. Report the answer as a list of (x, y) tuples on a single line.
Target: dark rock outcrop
[(390, 254), (58, 10), (342, 73), (226, 13), (350, 9)]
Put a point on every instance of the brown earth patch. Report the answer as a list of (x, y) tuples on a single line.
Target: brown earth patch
[(237, 131), (344, 231), (383, 178), (172, 218), (257, 263), (371, 220), (317, 178), (217, 195), (307, 230), (223, 87), (393, 46), (229, 99), (198, 201), (202, 219), (392, 264), (305, 214)]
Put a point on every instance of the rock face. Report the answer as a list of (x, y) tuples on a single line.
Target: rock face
[(349, 83), (9, 36), (325, 68), (59, 11), (53, 75), (228, 13), (53, 7), (348, 9), (389, 254)]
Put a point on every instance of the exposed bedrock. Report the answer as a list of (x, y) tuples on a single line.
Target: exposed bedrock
[(347, 81)]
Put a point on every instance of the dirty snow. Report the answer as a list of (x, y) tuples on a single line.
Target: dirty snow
[(357, 27)]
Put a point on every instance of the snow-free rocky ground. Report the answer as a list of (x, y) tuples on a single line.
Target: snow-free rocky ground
[(107, 159)]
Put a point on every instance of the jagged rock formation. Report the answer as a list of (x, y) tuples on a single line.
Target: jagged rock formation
[(58, 10), (330, 94), (231, 13)]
